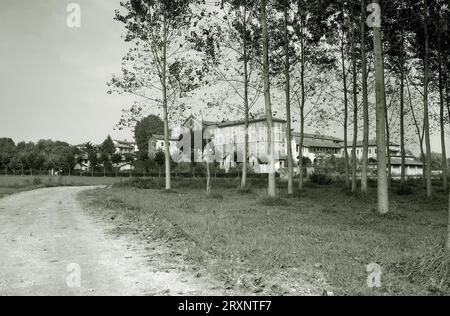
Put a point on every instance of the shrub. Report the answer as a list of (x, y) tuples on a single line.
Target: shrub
[(36, 181), (320, 179), (245, 190), (404, 190), (139, 183)]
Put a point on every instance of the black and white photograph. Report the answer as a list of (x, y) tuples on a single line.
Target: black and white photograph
[(224, 153)]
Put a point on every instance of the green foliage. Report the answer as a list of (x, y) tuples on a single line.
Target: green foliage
[(43, 155), (404, 190), (107, 147), (320, 178), (160, 158), (7, 150), (92, 154), (144, 130), (116, 158)]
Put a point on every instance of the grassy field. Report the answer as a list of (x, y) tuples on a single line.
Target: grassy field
[(14, 184), (324, 237)]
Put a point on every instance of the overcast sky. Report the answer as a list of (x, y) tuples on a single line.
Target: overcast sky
[(53, 78)]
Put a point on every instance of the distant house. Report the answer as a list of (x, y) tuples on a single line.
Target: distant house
[(229, 136), (413, 167), (394, 149), (316, 144), (157, 143), (124, 147), (83, 163)]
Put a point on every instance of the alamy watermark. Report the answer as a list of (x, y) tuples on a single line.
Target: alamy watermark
[(73, 19), (374, 18), (374, 277), (73, 279)]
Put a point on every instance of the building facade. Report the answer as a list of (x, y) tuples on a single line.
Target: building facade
[(228, 138), (123, 148), (157, 143)]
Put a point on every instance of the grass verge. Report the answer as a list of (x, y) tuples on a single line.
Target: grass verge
[(321, 239)]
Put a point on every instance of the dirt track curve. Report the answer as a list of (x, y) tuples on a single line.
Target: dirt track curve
[(46, 238)]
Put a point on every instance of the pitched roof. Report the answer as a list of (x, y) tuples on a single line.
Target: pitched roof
[(317, 140), (124, 142), (398, 161), (317, 136), (372, 142), (408, 162), (161, 137), (253, 120)]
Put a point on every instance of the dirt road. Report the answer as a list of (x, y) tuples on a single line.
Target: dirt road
[(50, 246)]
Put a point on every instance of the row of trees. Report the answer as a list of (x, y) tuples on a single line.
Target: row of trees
[(46, 155), (43, 155), (336, 61)]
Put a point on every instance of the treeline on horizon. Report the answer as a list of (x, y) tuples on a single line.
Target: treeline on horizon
[(48, 155)]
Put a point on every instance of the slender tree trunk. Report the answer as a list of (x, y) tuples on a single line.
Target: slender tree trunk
[(382, 187), (425, 102), (266, 70), (165, 105), (288, 104), (208, 178), (365, 155), (402, 118), (441, 121), (301, 141), (344, 78), (447, 242), (388, 144), (302, 105), (246, 105), (447, 98), (447, 85), (355, 112)]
